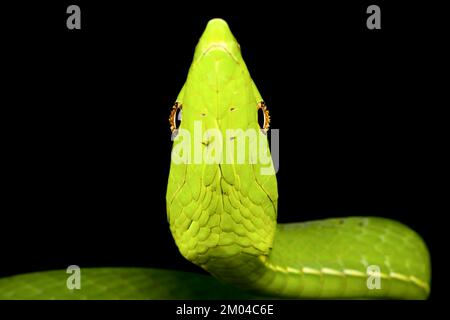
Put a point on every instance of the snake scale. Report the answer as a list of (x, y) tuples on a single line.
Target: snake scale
[(223, 214)]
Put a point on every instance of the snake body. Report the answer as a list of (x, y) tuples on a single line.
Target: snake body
[(223, 214)]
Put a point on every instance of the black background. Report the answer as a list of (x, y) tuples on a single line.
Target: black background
[(88, 148)]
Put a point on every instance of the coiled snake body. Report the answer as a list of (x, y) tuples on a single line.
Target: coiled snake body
[(222, 214)]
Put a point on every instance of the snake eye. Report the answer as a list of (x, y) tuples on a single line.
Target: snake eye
[(175, 117), (263, 117)]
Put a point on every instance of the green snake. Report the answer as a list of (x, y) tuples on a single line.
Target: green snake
[(222, 211)]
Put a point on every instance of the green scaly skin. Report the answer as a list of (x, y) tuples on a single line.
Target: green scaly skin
[(118, 284), (223, 218)]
